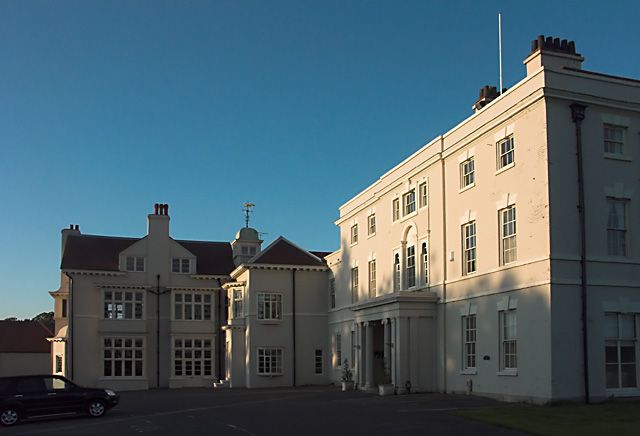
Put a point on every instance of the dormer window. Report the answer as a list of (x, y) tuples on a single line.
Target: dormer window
[(135, 263), (180, 265)]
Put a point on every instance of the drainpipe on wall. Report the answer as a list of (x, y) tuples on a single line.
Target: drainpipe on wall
[(70, 323), (158, 293), (220, 340), (577, 116), (293, 322), (444, 270)]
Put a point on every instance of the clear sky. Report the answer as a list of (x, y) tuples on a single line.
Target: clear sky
[(109, 107)]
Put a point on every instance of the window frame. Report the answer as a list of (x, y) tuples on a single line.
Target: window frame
[(371, 224), (274, 361), (510, 152), (205, 307), (355, 284), (410, 268), (467, 176), (64, 309), (318, 362), (424, 260), (469, 342), (621, 142), (275, 306), (468, 250), (332, 293), (395, 209), (237, 303), (354, 234), (423, 194), (372, 279), (181, 265), (194, 361), (510, 240), (617, 230), (620, 341), (135, 263), (134, 302), (409, 202), (338, 350), (508, 355), (104, 348), (397, 272)]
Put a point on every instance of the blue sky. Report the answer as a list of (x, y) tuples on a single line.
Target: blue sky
[(109, 107)]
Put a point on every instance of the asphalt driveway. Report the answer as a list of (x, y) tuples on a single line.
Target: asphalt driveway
[(263, 412)]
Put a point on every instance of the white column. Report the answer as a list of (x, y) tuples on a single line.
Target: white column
[(387, 346), (392, 347), (361, 351), (369, 357)]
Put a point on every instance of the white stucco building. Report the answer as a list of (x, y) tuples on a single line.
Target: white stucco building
[(500, 258), (461, 267)]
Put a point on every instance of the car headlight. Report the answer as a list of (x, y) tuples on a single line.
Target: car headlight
[(110, 392)]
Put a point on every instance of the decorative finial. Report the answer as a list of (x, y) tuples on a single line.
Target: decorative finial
[(247, 212)]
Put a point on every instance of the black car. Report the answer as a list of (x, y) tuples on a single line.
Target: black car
[(24, 397)]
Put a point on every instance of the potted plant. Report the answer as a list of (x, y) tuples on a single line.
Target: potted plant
[(347, 377), (386, 387)]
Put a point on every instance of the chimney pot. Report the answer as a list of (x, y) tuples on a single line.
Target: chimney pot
[(556, 43), (166, 209), (155, 208), (70, 226)]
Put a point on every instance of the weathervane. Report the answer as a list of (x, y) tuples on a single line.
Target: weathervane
[(247, 212)]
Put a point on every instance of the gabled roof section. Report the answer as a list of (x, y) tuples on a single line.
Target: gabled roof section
[(24, 337), (284, 252), (101, 253), (92, 252), (213, 258)]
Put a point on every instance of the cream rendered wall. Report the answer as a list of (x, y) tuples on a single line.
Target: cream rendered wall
[(311, 322), (24, 364), (89, 325), (613, 281)]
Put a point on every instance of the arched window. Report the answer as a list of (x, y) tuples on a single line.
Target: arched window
[(396, 273), (411, 266), (425, 263)]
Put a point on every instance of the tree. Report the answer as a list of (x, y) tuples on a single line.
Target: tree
[(44, 317)]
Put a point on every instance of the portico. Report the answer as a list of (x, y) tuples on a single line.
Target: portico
[(395, 341)]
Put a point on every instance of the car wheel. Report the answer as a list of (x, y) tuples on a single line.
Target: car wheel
[(9, 416), (96, 408)]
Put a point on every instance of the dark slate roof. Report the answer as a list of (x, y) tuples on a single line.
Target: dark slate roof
[(24, 337), (90, 252), (284, 252), (321, 254), (214, 258), (94, 252)]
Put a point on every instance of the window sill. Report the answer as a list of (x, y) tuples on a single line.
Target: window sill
[(469, 371), (508, 373), (269, 321), (122, 377), (466, 188), (411, 215), (353, 244), (371, 235), (505, 168), (613, 156), (269, 375)]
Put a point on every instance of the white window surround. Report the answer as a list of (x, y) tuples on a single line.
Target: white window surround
[(135, 263), (621, 352), (371, 225), (623, 123), (505, 153), (469, 323), (123, 304), (180, 265), (469, 234), (237, 303), (467, 174), (423, 194), (354, 234), (618, 227), (395, 209), (507, 219), (269, 306), (192, 356), (191, 306), (122, 354), (409, 202), (269, 361), (506, 304)]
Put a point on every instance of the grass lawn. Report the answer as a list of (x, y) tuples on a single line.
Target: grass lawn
[(616, 418)]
